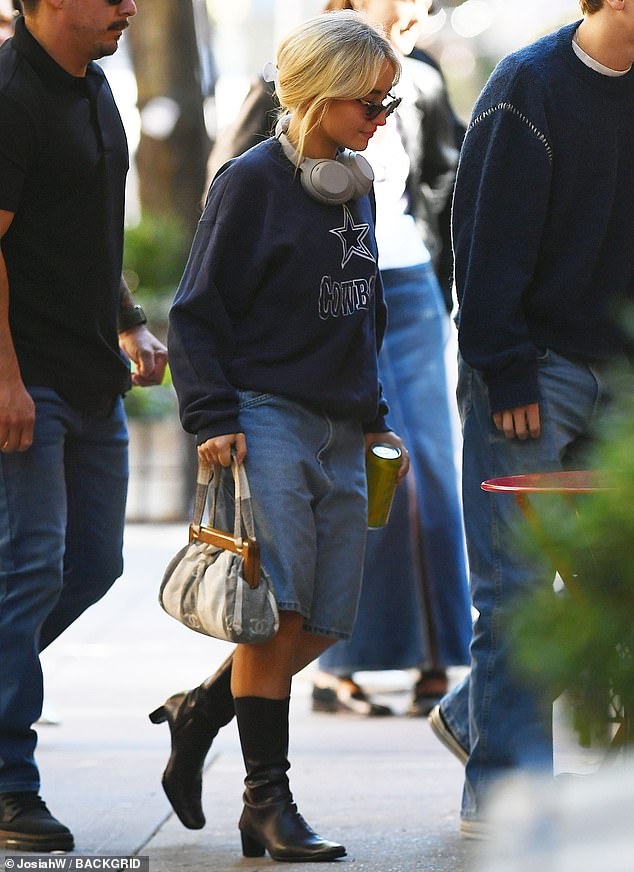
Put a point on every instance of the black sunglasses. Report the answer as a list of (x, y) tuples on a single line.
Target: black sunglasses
[(373, 110)]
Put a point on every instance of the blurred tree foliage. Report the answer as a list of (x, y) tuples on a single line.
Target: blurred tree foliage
[(171, 49), (582, 639), (171, 158)]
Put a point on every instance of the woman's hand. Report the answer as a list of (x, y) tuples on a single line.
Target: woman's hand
[(218, 449), (390, 438)]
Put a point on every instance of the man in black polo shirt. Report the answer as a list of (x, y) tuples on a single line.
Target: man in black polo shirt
[(67, 328)]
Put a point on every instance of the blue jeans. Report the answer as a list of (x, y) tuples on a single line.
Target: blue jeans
[(308, 488), (415, 577), (508, 725), (62, 511)]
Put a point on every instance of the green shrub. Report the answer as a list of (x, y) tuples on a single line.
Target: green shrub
[(154, 255), (154, 258)]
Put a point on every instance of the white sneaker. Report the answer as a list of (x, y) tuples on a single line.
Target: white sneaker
[(442, 732)]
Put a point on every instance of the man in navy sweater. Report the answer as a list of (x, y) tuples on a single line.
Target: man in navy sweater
[(544, 258)]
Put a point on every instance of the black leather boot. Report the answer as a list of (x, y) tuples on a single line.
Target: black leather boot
[(270, 820), (194, 718)]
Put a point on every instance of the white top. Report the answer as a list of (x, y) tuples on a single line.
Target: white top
[(398, 238)]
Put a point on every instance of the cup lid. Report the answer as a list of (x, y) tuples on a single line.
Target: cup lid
[(385, 452)]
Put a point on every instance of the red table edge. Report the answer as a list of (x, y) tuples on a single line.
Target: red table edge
[(577, 481)]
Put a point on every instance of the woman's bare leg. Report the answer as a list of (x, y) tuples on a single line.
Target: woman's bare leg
[(266, 669)]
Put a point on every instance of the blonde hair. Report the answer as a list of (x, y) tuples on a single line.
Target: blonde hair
[(333, 56)]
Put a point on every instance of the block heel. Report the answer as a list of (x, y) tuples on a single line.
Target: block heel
[(194, 718), (270, 820), (250, 846)]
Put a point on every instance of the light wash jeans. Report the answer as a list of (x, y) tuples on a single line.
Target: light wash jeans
[(307, 480), (493, 713), (62, 509)]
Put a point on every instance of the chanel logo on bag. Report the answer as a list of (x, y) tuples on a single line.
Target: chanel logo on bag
[(258, 626)]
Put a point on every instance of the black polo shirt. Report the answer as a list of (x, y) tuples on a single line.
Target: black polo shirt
[(63, 165)]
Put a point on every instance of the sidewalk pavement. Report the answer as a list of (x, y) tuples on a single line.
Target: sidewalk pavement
[(383, 787)]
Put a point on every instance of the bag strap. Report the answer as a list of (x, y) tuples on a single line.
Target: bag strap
[(203, 477), (247, 547), (243, 514), (244, 492)]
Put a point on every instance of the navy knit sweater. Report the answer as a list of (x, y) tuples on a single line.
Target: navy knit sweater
[(281, 294), (544, 217)]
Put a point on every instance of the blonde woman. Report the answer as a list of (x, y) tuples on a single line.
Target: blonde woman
[(414, 162), (274, 337)]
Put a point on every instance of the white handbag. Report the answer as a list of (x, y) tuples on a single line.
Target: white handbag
[(216, 585)]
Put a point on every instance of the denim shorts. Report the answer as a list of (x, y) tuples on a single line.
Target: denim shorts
[(307, 479)]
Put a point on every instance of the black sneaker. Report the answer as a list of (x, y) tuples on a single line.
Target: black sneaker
[(27, 825)]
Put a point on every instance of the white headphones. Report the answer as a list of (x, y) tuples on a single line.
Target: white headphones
[(348, 177)]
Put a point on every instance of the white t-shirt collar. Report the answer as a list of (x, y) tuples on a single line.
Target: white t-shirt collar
[(594, 65)]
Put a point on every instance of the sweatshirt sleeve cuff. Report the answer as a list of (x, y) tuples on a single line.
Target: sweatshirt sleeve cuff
[(515, 386), (222, 428)]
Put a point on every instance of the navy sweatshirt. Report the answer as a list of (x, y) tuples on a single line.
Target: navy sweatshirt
[(543, 217), (281, 294)]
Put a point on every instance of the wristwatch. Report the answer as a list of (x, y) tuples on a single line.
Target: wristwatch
[(131, 316)]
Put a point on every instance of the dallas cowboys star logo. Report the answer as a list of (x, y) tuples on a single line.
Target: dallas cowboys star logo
[(352, 236)]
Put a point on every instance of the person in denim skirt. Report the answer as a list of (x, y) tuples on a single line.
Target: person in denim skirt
[(274, 337), (414, 163), (543, 224)]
